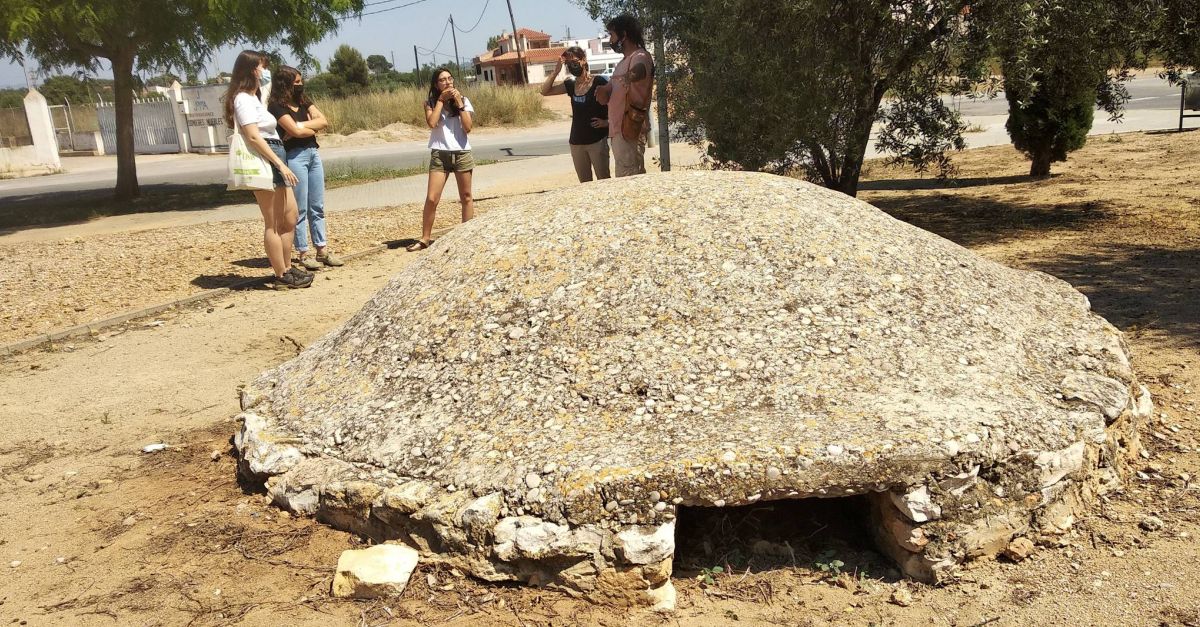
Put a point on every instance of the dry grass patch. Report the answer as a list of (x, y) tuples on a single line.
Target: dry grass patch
[(494, 106)]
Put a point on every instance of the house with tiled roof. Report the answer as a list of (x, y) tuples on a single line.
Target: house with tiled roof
[(501, 65)]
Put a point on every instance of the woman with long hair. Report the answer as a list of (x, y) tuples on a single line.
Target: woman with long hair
[(589, 118), (245, 112), (449, 115), (300, 120)]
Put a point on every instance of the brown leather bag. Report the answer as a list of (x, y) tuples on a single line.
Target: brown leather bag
[(633, 122)]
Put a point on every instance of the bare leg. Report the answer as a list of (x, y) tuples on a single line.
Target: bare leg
[(284, 210), (463, 179), (433, 195), (272, 243)]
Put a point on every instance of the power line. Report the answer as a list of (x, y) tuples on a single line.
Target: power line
[(378, 2), (481, 13), (428, 51), (443, 37), (399, 6)]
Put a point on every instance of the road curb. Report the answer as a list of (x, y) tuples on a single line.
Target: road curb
[(21, 346)]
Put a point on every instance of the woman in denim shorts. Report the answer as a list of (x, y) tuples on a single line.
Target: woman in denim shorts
[(278, 206), (448, 113)]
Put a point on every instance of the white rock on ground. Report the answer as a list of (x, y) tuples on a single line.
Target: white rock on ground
[(380, 571)]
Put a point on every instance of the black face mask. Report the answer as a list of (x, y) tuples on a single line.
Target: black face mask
[(297, 93), (616, 46), (575, 69)]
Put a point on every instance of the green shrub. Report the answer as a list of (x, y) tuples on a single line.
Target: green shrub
[(1053, 122)]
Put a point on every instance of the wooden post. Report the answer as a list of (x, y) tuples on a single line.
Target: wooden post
[(524, 71), (660, 76), (454, 35), (417, 64)]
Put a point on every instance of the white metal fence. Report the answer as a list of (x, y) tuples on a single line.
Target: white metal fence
[(154, 129)]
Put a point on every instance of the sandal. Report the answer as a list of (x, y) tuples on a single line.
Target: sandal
[(418, 245)]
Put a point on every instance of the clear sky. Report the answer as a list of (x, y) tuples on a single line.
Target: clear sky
[(397, 28)]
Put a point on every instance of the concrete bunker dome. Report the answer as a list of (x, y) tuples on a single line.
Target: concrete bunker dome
[(536, 397)]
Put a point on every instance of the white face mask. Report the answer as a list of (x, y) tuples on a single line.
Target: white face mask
[(264, 77)]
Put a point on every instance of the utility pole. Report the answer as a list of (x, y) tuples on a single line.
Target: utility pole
[(457, 61), (517, 39), (660, 71), (417, 62), (393, 53), (28, 76)]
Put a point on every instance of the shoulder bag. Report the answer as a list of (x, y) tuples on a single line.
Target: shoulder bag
[(247, 170)]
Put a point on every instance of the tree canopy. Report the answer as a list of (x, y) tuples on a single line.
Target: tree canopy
[(1061, 59), (151, 35), (349, 66), (378, 64), (805, 89), (804, 84)]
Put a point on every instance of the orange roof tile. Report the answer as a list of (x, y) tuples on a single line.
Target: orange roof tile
[(532, 34), (536, 55)]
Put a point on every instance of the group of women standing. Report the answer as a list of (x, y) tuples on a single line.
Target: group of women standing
[(281, 124), (294, 210)]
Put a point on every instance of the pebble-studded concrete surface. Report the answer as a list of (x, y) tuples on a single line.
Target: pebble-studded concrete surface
[(611, 349)]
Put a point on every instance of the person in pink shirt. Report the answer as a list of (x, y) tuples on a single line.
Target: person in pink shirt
[(628, 95)]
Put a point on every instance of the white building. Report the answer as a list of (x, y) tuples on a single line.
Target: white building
[(500, 65)]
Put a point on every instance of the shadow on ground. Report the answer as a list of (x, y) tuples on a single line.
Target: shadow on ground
[(232, 281), (974, 221), (1136, 287), (42, 210), (950, 183), (253, 262)]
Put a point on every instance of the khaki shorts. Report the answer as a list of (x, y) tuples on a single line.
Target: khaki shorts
[(451, 161)]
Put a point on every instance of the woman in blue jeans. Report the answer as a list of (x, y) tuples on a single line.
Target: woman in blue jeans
[(299, 121)]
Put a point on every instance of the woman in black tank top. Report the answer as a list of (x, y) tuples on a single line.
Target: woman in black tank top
[(589, 118)]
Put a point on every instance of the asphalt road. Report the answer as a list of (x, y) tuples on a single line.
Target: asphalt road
[(1147, 93), (210, 169)]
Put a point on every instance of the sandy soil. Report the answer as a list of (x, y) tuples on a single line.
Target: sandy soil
[(107, 535)]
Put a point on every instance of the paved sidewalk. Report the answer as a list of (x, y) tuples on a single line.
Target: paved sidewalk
[(497, 179)]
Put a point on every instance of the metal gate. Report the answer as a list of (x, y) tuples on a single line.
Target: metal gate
[(14, 128), (154, 129)]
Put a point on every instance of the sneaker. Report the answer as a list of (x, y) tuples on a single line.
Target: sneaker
[(292, 279), (308, 263), (330, 260)]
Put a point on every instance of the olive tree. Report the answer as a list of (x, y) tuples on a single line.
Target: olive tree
[(802, 84), (1175, 37), (1061, 59)]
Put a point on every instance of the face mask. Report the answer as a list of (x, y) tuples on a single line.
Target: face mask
[(297, 93), (264, 79), (575, 69), (616, 46)]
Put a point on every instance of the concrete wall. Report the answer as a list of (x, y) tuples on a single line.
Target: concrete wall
[(42, 156)]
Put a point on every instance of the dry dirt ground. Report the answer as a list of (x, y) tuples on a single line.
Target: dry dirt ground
[(94, 532), (51, 285)]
